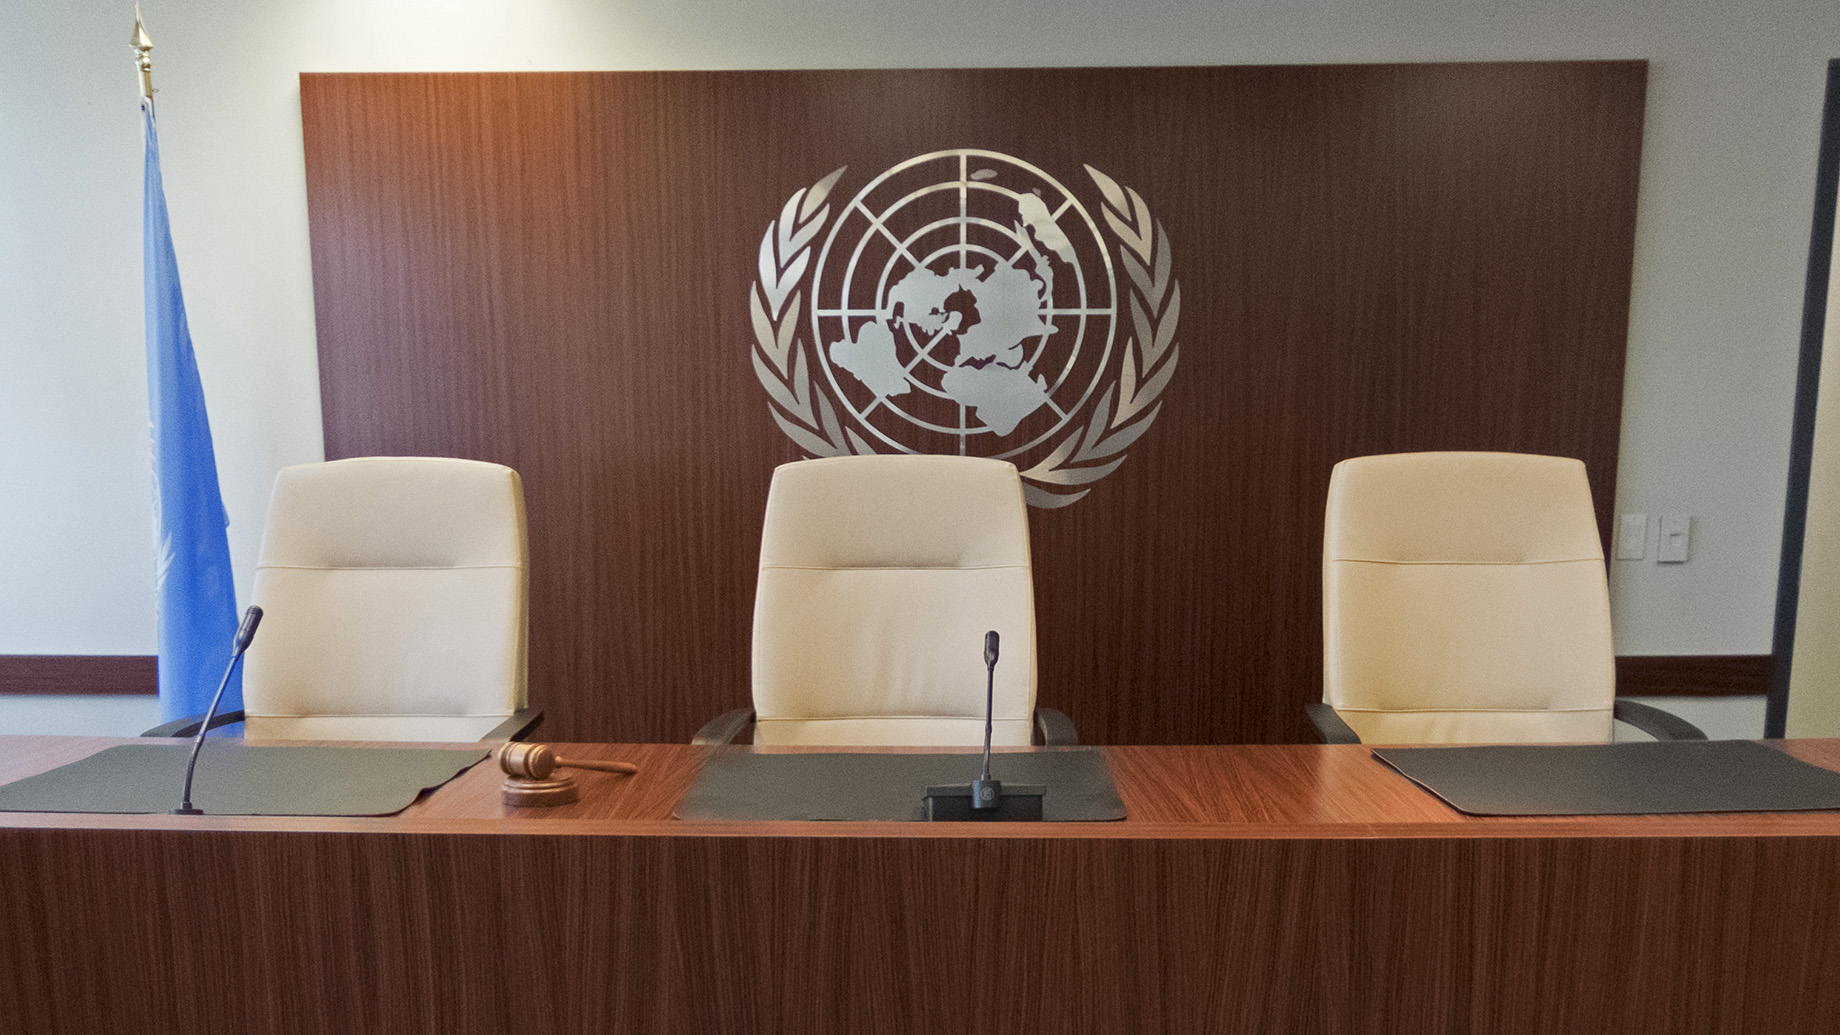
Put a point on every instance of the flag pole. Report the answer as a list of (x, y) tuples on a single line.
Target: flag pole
[(143, 47), (194, 589)]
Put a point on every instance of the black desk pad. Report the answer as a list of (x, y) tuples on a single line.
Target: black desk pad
[(743, 785), (1638, 778), (238, 779)]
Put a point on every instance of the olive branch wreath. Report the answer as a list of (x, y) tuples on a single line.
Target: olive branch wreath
[(1082, 456)]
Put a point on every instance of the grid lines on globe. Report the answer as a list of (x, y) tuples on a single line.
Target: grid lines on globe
[(964, 302)]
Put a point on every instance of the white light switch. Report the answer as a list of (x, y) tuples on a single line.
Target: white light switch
[(1676, 530), (1632, 538)]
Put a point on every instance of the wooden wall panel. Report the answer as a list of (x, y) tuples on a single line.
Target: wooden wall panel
[(553, 271)]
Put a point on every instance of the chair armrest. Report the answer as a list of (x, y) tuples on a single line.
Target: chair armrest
[(1655, 722), (188, 727), (1056, 728), (1330, 726), (517, 725), (724, 728)]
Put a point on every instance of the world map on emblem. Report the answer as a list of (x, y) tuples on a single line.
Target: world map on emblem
[(966, 302), (965, 294), (974, 322)]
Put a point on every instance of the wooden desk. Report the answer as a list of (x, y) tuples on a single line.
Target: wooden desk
[(1254, 889)]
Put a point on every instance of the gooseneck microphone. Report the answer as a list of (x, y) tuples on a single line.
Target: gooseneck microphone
[(244, 633), (986, 792), (985, 799)]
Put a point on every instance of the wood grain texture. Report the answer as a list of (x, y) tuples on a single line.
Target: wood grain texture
[(449, 933), (79, 674), (552, 271), (1283, 888), (1694, 675), (1247, 791), (1703, 675)]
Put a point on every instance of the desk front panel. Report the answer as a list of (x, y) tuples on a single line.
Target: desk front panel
[(1254, 889)]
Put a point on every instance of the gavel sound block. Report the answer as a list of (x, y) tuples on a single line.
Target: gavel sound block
[(530, 774)]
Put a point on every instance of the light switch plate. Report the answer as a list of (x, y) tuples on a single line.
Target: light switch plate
[(1632, 538), (1676, 531)]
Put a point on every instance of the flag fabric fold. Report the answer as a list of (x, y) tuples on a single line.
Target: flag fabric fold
[(195, 589)]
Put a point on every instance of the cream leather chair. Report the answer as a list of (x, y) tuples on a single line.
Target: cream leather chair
[(879, 576), (394, 592), (1465, 601)]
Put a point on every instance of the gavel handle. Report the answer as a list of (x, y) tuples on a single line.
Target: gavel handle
[(605, 767)]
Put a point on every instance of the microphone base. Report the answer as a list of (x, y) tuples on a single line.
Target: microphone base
[(1019, 803), (188, 812)]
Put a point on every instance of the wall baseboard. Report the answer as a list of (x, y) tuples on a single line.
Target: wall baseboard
[(79, 674), (1693, 675), (1687, 675)]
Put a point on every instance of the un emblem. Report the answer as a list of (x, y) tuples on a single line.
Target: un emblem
[(966, 302)]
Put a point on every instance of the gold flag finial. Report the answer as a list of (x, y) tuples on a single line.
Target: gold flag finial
[(142, 45)]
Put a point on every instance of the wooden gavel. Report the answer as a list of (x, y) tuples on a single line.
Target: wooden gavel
[(530, 774)]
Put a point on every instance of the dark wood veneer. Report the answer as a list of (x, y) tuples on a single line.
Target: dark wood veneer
[(1708, 675), (79, 674), (552, 271), (1282, 888), (1695, 675)]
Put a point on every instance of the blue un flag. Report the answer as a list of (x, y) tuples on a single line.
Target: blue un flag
[(196, 594)]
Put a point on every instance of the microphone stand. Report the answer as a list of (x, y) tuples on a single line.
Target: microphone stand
[(244, 633), (984, 798), (986, 793)]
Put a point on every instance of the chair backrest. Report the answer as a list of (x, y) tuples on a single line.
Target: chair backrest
[(394, 592), (879, 576), (1465, 600)]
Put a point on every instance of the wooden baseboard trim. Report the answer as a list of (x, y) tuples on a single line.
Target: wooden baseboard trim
[(1655, 675), (1693, 675), (79, 674)]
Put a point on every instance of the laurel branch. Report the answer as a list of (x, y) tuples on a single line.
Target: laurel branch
[(1082, 456), (805, 416), (1128, 407)]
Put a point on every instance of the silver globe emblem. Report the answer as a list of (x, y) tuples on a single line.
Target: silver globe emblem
[(967, 302), (967, 288)]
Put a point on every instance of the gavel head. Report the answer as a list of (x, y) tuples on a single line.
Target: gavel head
[(529, 761)]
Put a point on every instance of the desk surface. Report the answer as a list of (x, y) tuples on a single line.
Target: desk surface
[(1196, 791), (1254, 888)]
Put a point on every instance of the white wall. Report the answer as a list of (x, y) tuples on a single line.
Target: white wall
[(1733, 120), (1719, 718), (79, 715)]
